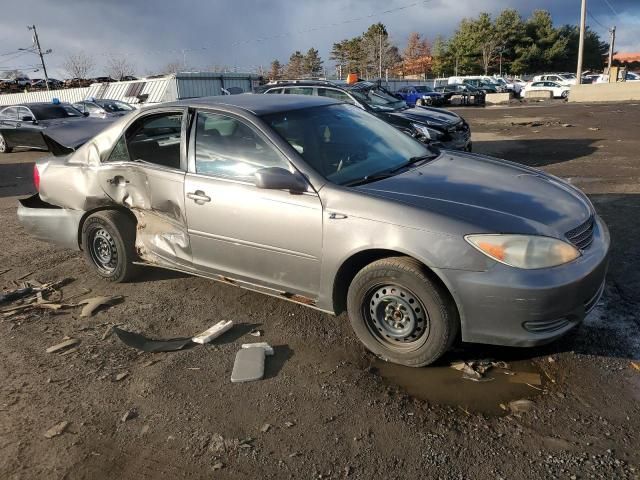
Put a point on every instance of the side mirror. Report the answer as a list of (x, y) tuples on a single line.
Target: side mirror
[(85, 113), (276, 178), (28, 118)]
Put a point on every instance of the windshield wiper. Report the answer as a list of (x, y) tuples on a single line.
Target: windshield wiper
[(389, 173), (413, 161)]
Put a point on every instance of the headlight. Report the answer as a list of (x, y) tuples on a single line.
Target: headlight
[(427, 132), (524, 251)]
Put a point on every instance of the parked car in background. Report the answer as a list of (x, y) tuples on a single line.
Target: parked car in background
[(420, 95), (41, 83), (469, 93), (22, 126), (104, 108), (22, 81), (508, 85), (319, 202), (561, 79), (428, 124), (559, 91)]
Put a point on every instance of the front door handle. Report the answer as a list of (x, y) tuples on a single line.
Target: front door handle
[(199, 197)]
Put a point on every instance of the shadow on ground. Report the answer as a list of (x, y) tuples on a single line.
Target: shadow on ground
[(537, 153)]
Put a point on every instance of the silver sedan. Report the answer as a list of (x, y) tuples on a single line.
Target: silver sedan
[(323, 204)]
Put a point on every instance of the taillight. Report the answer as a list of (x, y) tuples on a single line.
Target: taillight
[(36, 177)]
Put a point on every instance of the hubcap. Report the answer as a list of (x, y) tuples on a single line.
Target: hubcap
[(397, 317), (103, 251)]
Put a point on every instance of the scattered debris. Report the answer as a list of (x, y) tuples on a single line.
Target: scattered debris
[(594, 129), (268, 349), (521, 406), (567, 125), (249, 365), (635, 365), (130, 415), (213, 332), (256, 333), (92, 304), (265, 428), (289, 424), (217, 466), (56, 430), (475, 370), (551, 359), (64, 345), (17, 294), (121, 376), (140, 342)]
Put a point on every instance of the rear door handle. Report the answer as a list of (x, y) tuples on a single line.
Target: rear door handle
[(199, 197)]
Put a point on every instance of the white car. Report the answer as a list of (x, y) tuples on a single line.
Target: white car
[(559, 91), (558, 78)]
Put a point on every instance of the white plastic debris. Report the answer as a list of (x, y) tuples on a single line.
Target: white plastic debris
[(213, 332), (268, 349), (249, 365)]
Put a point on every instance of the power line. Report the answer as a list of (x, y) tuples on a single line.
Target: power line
[(595, 19), (612, 9)]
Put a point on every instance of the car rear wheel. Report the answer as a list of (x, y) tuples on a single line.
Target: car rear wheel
[(400, 314), (108, 242), (4, 148), (564, 94)]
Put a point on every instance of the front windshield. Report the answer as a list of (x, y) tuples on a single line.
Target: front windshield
[(377, 99), (53, 111), (345, 144), (113, 106), (424, 89)]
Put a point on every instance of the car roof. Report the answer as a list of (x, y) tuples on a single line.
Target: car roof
[(259, 104)]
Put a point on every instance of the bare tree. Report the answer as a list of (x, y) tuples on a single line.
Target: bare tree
[(119, 67), (78, 65), (172, 67)]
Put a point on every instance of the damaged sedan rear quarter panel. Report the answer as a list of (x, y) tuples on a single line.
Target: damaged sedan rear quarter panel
[(186, 175)]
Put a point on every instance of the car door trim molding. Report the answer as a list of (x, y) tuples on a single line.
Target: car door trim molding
[(247, 243)]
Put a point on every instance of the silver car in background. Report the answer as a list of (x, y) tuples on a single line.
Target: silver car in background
[(323, 204), (104, 108)]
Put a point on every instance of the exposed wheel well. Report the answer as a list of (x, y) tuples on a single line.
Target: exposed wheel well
[(357, 262), (101, 209)]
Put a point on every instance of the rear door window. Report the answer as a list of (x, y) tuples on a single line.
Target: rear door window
[(336, 94), (299, 90), (10, 113)]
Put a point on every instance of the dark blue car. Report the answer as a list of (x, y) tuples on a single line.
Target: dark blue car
[(420, 95)]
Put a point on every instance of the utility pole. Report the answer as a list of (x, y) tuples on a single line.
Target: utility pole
[(36, 40), (380, 63), (612, 41), (583, 21)]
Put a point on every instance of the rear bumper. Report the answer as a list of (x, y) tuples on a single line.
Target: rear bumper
[(49, 223), (514, 307)]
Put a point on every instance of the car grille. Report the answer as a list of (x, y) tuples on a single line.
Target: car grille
[(582, 235)]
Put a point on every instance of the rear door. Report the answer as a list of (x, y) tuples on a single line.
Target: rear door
[(270, 238), (145, 172), (8, 121)]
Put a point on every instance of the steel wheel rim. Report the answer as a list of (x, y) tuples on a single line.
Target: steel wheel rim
[(396, 317), (103, 250), (3, 144)]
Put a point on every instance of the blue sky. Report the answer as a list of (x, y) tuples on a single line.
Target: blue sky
[(246, 33)]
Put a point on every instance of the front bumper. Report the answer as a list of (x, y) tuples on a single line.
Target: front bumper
[(515, 307), (49, 223)]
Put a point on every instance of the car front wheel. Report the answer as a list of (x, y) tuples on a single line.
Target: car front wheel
[(4, 148), (400, 314), (108, 242)]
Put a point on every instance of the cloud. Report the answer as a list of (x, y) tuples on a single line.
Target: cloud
[(249, 33)]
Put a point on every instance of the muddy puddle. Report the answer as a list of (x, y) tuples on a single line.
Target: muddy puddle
[(443, 385)]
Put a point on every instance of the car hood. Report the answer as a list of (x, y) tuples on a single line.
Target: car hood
[(435, 117), (488, 195)]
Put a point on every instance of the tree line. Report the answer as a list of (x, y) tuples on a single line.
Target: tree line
[(507, 43)]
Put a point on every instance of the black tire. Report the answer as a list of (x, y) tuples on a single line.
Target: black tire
[(433, 318), (564, 94), (4, 148), (108, 242)]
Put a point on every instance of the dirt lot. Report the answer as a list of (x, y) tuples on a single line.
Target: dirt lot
[(334, 411)]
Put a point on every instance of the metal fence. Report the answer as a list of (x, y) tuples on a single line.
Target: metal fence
[(68, 95)]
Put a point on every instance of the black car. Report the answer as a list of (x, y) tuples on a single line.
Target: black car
[(430, 125), (22, 125), (468, 93)]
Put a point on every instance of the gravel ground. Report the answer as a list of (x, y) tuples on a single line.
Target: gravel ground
[(325, 408)]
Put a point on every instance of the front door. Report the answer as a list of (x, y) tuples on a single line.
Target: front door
[(270, 238)]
